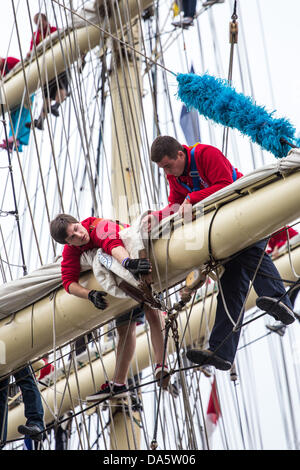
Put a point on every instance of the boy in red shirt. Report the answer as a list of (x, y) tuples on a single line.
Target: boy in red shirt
[(194, 173), (57, 89), (93, 232)]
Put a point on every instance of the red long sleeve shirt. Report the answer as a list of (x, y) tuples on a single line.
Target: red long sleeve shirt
[(215, 173), (9, 63), (103, 233), (39, 36), (279, 238)]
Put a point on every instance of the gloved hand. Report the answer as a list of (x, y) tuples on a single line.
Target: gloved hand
[(137, 266), (96, 297)]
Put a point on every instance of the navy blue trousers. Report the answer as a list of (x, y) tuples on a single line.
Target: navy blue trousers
[(189, 8), (235, 284), (31, 398)]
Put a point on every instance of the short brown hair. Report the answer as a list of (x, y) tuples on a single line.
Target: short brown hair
[(59, 225), (39, 15), (163, 146)]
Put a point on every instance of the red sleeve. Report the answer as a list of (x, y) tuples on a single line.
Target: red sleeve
[(175, 198), (106, 235), (279, 238), (70, 266), (216, 170), (12, 62), (292, 232), (34, 39)]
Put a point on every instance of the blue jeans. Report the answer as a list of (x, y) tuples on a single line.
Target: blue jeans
[(235, 283), (189, 8), (31, 398)]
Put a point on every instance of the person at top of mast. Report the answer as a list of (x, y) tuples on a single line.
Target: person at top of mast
[(93, 232), (56, 89), (188, 7), (19, 116), (44, 29), (194, 173)]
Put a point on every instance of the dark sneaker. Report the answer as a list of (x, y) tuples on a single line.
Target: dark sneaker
[(32, 431), (109, 390), (278, 328), (39, 124), (162, 372), (277, 310), (207, 357), (54, 109)]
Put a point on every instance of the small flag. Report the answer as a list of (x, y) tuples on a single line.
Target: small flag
[(189, 122), (213, 410)]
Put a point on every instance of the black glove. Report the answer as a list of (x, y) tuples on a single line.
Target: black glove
[(137, 266), (96, 296)]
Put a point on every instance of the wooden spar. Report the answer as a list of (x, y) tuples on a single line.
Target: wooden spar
[(193, 334), (29, 333)]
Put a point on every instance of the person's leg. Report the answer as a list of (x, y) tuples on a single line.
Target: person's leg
[(126, 328), (234, 284), (189, 8), (3, 409), (33, 408), (267, 280), (268, 285), (60, 96), (157, 325), (125, 351), (293, 294)]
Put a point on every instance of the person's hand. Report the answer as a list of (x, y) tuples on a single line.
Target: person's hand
[(275, 252), (148, 222), (185, 209), (96, 297), (137, 266)]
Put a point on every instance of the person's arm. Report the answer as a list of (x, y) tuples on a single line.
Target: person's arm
[(119, 253), (175, 200), (95, 296), (136, 266), (70, 270), (77, 289)]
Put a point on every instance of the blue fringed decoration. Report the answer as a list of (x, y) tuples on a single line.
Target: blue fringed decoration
[(215, 99)]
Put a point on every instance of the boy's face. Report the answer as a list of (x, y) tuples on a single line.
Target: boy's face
[(77, 235), (173, 166)]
